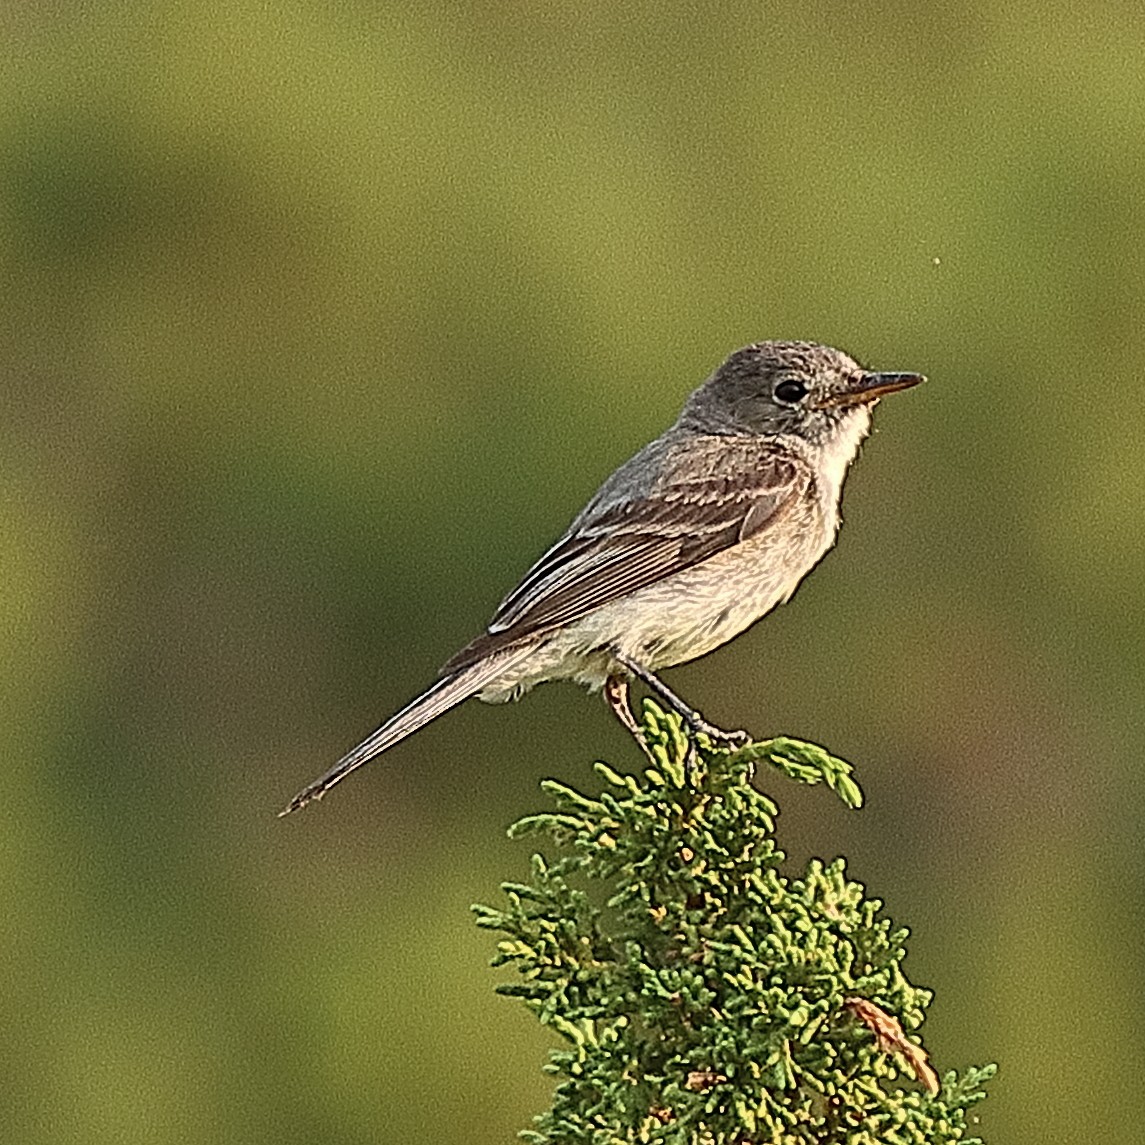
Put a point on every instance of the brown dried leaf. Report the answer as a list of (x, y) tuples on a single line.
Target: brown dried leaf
[(890, 1039), (700, 1080)]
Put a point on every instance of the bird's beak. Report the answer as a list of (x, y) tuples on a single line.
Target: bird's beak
[(868, 388)]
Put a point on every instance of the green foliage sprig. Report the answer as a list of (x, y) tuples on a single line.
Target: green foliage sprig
[(707, 999)]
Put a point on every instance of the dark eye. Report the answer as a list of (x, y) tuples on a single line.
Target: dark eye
[(790, 391)]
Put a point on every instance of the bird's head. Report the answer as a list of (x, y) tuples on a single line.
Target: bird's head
[(796, 388)]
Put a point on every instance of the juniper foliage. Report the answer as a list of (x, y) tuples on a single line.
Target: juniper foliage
[(706, 999)]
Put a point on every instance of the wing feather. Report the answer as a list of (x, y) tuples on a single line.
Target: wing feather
[(632, 543)]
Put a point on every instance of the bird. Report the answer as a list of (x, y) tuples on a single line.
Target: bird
[(691, 541)]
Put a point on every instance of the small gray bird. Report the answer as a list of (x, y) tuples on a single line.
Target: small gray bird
[(693, 540)]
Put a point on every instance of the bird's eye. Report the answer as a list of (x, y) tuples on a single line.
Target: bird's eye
[(790, 391)]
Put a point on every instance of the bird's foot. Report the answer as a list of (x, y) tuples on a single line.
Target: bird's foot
[(718, 737), (616, 692)]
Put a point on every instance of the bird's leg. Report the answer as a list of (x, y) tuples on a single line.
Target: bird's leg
[(616, 696), (688, 714)]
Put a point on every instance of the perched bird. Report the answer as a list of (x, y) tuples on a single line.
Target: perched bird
[(694, 539)]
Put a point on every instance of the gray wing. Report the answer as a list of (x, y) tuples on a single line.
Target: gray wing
[(629, 544)]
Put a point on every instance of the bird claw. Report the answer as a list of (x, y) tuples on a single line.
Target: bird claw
[(720, 739)]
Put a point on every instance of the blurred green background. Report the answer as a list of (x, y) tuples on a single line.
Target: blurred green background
[(319, 321)]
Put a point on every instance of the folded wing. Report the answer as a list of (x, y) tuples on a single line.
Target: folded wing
[(634, 543)]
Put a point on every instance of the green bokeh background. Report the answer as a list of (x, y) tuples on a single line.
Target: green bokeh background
[(317, 324)]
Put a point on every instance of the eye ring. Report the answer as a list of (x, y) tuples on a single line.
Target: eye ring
[(790, 391)]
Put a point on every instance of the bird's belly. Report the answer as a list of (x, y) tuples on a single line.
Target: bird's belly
[(700, 608)]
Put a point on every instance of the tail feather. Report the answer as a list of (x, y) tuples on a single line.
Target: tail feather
[(437, 699)]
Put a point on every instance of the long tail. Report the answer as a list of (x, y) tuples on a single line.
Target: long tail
[(433, 702)]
